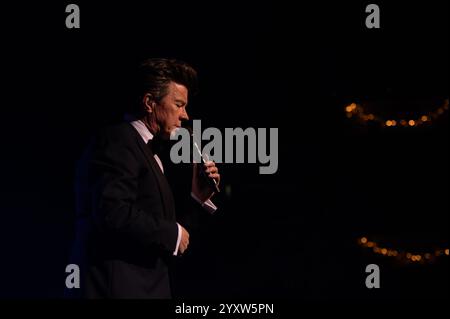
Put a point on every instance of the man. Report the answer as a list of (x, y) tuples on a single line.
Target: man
[(127, 230)]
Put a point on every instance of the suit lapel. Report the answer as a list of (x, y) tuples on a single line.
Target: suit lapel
[(164, 187)]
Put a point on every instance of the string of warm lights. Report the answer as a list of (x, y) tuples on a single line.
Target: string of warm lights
[(404, 256), (357, 111)]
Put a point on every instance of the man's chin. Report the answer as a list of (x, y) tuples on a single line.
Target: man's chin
[(173, 133)]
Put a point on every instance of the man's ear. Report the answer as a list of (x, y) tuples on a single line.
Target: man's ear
[(149, 103)]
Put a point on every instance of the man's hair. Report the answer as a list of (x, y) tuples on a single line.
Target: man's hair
[(155, 74)]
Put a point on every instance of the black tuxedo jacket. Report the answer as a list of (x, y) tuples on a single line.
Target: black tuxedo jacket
[(126, 226)]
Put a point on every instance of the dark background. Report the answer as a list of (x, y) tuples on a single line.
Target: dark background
[(292, 234)]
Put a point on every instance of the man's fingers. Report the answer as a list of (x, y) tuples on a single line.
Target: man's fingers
[(183, 247), (213, 169), (215, 176), (209, 164), (186, 234), (210, 167), (184, 239)]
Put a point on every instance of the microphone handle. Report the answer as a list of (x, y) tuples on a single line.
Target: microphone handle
[(210, 180)]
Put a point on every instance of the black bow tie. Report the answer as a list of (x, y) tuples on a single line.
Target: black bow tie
[(155, 145)]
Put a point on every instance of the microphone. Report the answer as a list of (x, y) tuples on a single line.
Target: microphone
[(204, 158)]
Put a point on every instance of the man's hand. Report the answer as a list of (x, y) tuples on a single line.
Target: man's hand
[(184, 242), (200, 187)]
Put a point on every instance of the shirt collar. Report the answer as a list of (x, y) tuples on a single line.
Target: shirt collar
[(141, 128)]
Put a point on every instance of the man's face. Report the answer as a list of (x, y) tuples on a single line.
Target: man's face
[(171, 111)]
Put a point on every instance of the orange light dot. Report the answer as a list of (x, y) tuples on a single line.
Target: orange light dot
[(388, 123), (384, 251), (350, 107), (408, 255), (424, 118), (411, 122), (394, 123), (363, 240), (418, 258), (371, 117), (370, 244), (446, 251)]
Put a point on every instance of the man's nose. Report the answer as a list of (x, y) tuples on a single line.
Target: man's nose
[(184, 116)]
